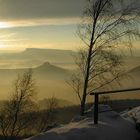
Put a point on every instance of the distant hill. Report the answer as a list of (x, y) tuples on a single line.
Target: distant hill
[(45, 69), (48, 54), (48, 67), (50, 71), (33, 57)]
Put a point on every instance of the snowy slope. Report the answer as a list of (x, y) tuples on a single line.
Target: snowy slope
[(133, 114), (111, 127)]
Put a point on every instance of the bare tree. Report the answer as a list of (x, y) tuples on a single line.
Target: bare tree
[(107, 26), (75, 82), (16, 114)]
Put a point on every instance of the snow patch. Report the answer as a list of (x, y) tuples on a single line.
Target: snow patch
[(133, 114), (111, 127)]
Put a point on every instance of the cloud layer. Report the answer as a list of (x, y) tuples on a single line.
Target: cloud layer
[(30, 9)]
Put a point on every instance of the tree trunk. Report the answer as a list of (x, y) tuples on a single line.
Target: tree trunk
[(83, 102), (87, 74)]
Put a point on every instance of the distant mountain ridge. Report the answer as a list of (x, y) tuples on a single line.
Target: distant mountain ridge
[(49, 54), (32, 57), (36, 53), (42, 49)]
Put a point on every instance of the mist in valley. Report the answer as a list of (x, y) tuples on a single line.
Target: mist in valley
[(51, 71)]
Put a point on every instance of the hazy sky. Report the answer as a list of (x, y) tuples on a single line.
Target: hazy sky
[(39, 23)]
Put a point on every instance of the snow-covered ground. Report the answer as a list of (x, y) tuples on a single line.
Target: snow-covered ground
[(133, 114), (112, 126)]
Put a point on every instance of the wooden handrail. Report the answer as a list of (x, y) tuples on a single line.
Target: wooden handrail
[(96, 99), (115, 91)]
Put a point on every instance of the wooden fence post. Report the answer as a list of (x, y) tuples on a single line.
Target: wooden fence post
[(96, 102)]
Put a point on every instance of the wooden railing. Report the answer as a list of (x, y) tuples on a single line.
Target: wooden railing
[(96, 99)]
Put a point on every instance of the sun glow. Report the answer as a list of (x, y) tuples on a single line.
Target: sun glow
[(4, 25)]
